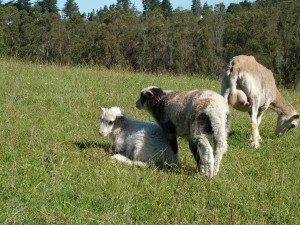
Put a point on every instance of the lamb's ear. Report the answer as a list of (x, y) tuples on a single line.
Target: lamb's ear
[(102, 108)]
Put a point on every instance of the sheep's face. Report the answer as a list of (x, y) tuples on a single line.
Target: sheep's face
[(148, 97), (108, 119), (285, 124)]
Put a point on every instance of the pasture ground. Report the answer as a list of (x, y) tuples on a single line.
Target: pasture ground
[(55, 169)]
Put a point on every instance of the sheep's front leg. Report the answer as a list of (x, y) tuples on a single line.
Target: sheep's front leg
[(128, 161), (259, 117), (173, 142), (194, 150), (208, 156)]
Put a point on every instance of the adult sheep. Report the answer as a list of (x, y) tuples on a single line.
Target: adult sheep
[(249, 86), (136, 142), (196, 115)]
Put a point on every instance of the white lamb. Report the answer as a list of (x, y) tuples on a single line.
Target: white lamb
[(196, 115), (136, 142), (249, 86)]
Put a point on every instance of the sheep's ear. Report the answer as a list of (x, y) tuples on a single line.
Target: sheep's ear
[(294, 122), (294, 117), (121, 118), (102, 108), (148, 93)]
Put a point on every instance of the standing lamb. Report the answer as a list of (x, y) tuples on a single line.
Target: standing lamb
[(196, 115), (136, 142), (249, 86)]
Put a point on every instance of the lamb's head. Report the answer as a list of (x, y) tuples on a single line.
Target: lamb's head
[(109, 119), (148, 97), (284, 124)]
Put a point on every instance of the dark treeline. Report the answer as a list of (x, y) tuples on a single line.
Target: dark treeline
[(197, 41)]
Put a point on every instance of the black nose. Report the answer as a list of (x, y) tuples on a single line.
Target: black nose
[(293, 126)]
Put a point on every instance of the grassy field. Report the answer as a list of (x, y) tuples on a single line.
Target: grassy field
[(55, 169)]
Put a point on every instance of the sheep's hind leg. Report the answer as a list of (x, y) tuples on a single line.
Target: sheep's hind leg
[(208, 154), (220, 149), (254, 127), (197, 157)]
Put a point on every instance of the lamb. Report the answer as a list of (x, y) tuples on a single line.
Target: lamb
[(136, 142), (196, 115), (246, 77)]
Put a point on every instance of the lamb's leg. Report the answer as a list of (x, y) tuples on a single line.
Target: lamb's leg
[(128, 161), (194, 150), (208, 154)]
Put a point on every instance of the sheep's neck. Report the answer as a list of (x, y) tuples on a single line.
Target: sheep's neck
[(281, 106), (157, 110)]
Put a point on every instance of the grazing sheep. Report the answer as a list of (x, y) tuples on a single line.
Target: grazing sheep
[(246, 77), (136, 142), (196, 115)]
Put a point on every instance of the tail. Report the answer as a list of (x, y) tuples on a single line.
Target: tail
[(232, 75)]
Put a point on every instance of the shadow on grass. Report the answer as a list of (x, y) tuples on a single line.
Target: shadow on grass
[(84, 145), (232, 134), (181, 169)]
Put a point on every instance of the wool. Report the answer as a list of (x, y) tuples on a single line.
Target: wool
[(197, 115)]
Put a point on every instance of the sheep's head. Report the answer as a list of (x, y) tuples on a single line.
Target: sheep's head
[(148, 97), (109, 118), (285, 124)]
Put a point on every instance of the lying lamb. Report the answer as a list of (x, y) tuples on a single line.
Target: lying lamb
[(196, 115), (136, 142), (250, 81)]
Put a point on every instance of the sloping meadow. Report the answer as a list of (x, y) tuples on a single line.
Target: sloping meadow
[(56, 169)]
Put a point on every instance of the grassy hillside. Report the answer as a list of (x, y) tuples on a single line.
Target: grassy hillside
[(55, 169)]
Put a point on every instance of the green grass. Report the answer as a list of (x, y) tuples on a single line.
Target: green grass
[(55, 169)]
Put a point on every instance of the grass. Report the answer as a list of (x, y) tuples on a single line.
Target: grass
[(55, 169)]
